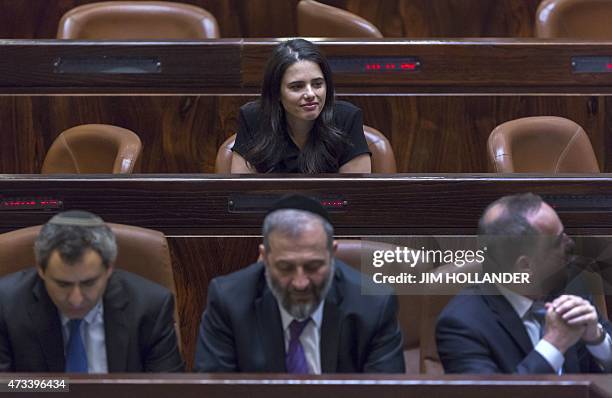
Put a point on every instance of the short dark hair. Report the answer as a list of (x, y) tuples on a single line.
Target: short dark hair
[(293, 223), (509, 234), (72, 239), (321, 153)]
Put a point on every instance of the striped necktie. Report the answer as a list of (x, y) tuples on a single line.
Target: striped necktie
[(295, 359)]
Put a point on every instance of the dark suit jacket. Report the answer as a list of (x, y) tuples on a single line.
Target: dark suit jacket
[(138, 325), (241, 329), (480, 332)]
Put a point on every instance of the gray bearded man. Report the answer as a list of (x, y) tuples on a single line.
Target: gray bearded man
[(298, 310)]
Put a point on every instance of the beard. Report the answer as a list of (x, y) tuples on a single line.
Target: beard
[(300, 310)]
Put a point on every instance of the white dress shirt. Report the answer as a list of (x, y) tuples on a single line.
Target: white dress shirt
[(310, 337), (521, 304), (94, 338)]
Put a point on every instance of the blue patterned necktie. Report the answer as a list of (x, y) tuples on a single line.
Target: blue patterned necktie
[(295, 358), (76, 356)]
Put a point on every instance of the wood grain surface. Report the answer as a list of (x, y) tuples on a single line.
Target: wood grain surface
[(181, 133)]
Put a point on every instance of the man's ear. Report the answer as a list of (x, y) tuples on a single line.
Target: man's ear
[(111, 268), (262, 253), (523, 264), (40, 271)]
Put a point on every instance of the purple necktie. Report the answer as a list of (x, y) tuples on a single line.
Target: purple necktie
[(295, 358)]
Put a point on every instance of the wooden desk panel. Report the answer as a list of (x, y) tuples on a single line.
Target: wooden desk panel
[(479, 66), (354, 385)]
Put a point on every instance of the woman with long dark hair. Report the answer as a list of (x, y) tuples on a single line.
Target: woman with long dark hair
[(297, 126)]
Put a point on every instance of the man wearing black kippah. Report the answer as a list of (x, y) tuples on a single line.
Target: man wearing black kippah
[(75, 313), (298, 310)]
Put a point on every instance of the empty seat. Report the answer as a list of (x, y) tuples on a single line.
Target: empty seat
[(320, 20), (93, 148), (133, 20), (575, 19), (383, 159), (541, 144)]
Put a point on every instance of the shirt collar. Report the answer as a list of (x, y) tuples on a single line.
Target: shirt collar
[(316, 316), (521, 304), (92, 316)]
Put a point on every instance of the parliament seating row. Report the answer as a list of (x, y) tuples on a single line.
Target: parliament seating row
[(212, 223), (537, 144)]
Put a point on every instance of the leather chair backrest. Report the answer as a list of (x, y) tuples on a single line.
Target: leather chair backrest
[(320, 20), (541, 144), (133, 20), (141, 251), (383, 159), (574, 19), (93, 148)]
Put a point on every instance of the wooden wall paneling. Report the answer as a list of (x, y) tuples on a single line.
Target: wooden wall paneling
[(195, 261), (446, 18), (181, 134), (448, 134), (209, 66)]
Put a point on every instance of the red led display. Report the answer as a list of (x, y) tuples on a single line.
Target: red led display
[(336, 203), (609, 66), (375, 67), (374, 64), (30, 204)]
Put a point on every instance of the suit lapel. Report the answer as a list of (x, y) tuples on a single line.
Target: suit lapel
[(330, 328), (508, 318), (115, 326), (270, 330), (46, 321)]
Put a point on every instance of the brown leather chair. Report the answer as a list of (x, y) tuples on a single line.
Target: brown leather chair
[(351, 251), (541, 144), (141, 251), (93, 148), (574, 19), (133, 20), (320, 20), (383, 159)]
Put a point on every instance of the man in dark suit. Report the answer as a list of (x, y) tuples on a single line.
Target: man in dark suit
[(74, 312), (298, 310), (523, 328)]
